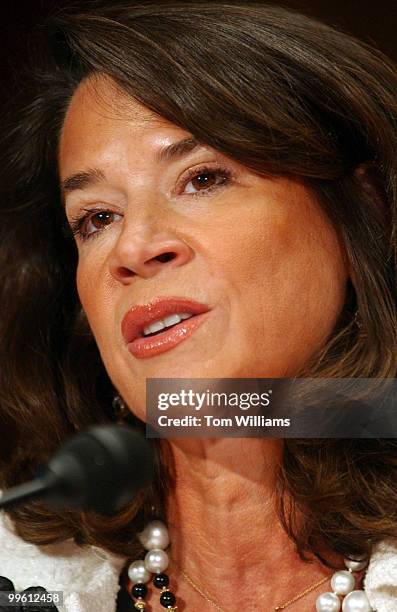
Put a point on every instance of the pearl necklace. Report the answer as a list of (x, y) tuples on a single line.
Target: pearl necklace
[(155, 539)]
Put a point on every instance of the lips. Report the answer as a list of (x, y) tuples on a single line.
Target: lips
[(138, 317)]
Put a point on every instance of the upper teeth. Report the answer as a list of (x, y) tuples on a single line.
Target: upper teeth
[(166, 322)]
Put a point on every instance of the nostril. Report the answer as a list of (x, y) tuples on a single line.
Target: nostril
[(125, 272), (165, 257)]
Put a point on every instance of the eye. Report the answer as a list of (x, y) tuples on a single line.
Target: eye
[(99, 219), (204, 179)]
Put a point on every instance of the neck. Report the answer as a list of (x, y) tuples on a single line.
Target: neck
[(224, 527)]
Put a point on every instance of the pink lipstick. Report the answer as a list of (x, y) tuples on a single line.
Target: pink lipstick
[(142, 316)]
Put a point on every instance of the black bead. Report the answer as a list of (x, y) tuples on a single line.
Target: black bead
[(167, 599), (160, 580), (139, 590), (35, 589), (49, 607), (6, 584)]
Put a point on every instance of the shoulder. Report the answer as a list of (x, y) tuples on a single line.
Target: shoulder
[(380, 582), (88, 576)]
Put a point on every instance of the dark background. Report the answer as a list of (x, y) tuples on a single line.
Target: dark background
[(374, 21)]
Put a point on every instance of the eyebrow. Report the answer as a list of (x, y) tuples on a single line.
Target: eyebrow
[(177, 149), (82, 180)]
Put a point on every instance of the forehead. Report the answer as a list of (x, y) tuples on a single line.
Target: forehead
[(101, 94), (101, 118)]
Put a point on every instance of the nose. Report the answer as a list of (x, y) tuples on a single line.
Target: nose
[(147, 256)]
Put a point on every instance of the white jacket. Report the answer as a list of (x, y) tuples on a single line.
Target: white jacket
[(89, 576)]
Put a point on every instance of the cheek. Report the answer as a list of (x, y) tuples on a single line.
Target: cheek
[(93, 296), (285, 269), (85, 286)]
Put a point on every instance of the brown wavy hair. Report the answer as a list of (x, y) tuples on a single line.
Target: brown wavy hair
[(284, 95)]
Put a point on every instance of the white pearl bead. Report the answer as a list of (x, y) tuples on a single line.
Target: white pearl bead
[(356, 601), (155, 535), (156, 560), (342, 582), (137, 572), (355, 566), (327, 602)]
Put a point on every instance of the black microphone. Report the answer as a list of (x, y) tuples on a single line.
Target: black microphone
[(100, 469)]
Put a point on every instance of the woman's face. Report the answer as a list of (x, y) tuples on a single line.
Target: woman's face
[(258, 252)]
